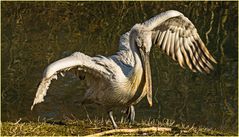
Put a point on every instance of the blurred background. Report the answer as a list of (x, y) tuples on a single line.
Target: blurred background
[(34, 34)]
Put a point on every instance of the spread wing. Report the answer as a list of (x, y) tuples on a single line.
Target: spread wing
[(176, 35), (97, 66)]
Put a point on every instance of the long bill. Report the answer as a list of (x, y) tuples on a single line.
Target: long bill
[(147, 72)]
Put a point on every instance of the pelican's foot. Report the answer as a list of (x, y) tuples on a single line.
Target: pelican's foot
[(112, 119), (130, 114)]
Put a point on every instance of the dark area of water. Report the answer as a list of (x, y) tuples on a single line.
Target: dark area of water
[(35, 34)]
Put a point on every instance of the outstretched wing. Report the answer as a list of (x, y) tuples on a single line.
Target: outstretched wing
[(176, 35), (97, 66)]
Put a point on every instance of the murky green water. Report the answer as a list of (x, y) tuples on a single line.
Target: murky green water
[(35, 34)]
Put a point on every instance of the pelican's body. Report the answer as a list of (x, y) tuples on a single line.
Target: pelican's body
[(123, 79)]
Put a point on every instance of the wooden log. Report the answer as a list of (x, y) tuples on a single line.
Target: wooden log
[(136, 130)]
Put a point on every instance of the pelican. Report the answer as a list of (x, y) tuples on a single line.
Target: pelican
[(123, 79)]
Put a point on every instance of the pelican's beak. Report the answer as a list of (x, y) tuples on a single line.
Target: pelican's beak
[(148, 80)]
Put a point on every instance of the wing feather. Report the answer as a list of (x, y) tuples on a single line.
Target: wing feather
[(185, 54), (171, 46), (161, 39), (165, 40), (158, 35), (168, 42), (180, 56), (199, 65), (191, 51), (190, 54), (180, 40), (77, 62)]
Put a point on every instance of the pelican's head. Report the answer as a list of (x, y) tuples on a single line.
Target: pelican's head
[(143, 40)]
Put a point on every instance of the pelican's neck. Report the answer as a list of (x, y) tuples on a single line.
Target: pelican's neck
[(136, 55), (137, 71), (137, 67)]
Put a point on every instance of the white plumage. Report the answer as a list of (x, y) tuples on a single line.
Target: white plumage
[(123, 79)]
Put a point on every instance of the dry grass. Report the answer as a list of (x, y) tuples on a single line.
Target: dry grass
[(86, 127)]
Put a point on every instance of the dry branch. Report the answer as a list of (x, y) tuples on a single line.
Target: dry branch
[(149, 129)]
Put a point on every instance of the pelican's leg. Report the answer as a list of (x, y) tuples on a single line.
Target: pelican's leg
[(131, 113), (112, 119)]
